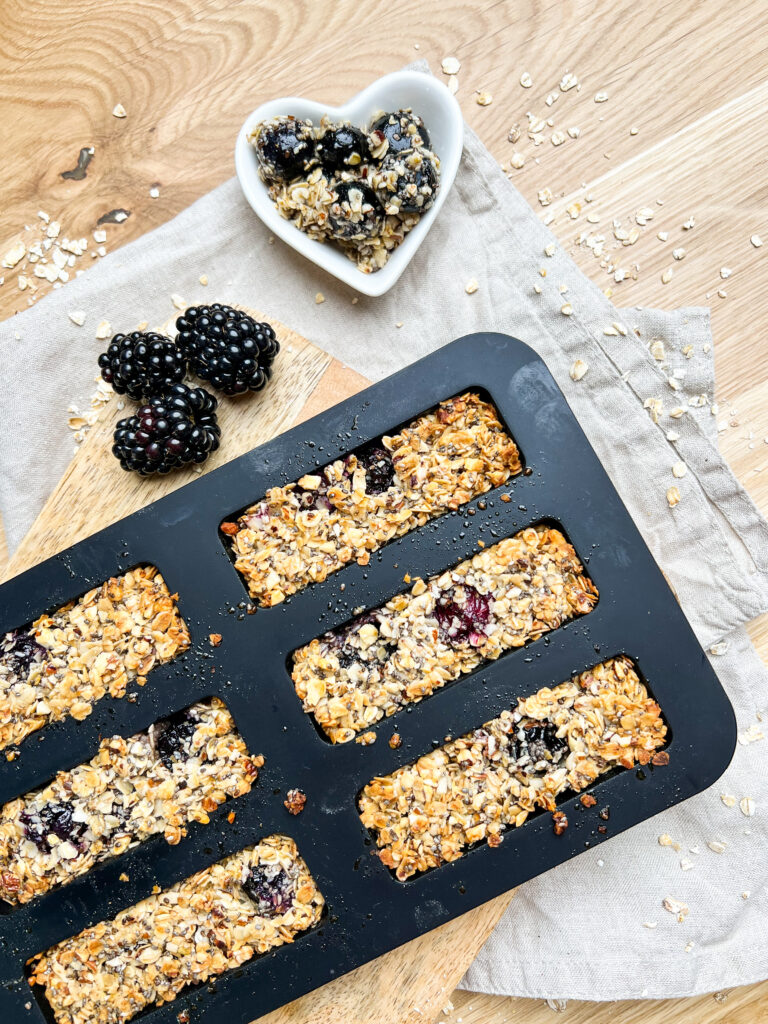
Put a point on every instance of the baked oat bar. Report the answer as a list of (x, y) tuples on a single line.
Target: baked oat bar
[(155, 782), (63, 663), (305, 530), (503, 597), (557, 741), (218, 919)]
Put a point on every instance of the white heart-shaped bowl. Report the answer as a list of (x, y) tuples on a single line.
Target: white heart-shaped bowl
[(428, 98)]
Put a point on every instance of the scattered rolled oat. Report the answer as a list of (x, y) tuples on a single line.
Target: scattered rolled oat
[(453, 85), (719, 648), (77, 316), (567, 309), (679, 470), (517, 160), (673, 497), (319, 297), (103, 330), (663, 236), (751, 734), (689, 224), (550, 250), (568, 81), (676, 907), (686, 864), (545, 196), (471, 287), (650, 924), (725, 272), (15, 255), (558, 138), (756, 240), (484, 99), (579, 369), (747, 806), (728, 799), (525, 80), (203, 279), (119, 110), (601, 97), (716, 846), (657, 350), (666, 276), (294, 802), (178, 302), (678, 254), (451, 65), (574, 132)]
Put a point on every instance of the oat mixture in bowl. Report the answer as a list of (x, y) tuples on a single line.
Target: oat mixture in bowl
[(362, 189)]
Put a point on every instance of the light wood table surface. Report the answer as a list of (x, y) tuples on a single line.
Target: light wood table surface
[(683, 125)]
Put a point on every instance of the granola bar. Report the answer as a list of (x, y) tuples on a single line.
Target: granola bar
[(557, 741), (503, 597), (305, 530), (218, 919), (155, 782), (63, 663)]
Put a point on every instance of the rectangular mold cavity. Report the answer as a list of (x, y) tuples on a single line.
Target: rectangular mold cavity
[(338, 514), (388, 658), (62, 663), (178, 771), (246, 904), (473, 788)]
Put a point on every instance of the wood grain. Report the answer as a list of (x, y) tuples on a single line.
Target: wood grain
[(688, 78)]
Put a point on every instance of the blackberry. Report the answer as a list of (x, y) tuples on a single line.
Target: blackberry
[(463, 622), (171, 737), (270, 888), (378, 466), (170, 431), (402, 129), (142, 365), (53, 819), (342, 146), (355, 214), (285, 147), (227, 347), (538, 741), (19, 651)]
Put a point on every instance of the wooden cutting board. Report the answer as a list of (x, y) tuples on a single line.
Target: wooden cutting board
[(410, 984)]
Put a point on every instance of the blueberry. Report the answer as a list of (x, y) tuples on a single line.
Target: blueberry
[(413, 188), (341, 147), (285, 147), (539, 740), (379, 468), (356, 213), (270, 888), (396, 129)]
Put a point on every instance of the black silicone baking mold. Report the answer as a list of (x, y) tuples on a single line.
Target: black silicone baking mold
[(368, 911)]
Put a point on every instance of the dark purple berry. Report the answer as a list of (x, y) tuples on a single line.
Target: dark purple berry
[(539, 742), (463, 620), (19, 651), (342, 147), (403, 130), (171, 737), (227, 347), (379, 468), (270, 888), (170, 431), (53, 819), (355, 213), (285, 148), (142, 365), (411, 182)]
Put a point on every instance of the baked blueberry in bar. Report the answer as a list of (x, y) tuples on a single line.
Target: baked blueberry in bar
[(557, 741), (503, 597), (218, 919), (155, 782), (63, 663), (305, 530)]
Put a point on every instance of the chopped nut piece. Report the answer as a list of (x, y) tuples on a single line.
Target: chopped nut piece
[(676, 907), (294, 802), (229, 528), (559, 822), (587, 800), (673, 496), (214, 639), (124, 877), (661, 758), (395, 740)]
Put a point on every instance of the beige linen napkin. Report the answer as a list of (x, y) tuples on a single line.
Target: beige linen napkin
[(579, 930)]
